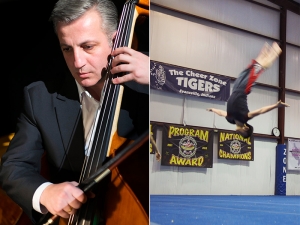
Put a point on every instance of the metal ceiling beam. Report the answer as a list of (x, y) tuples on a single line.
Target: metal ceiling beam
[(288, 4), (282, 72)]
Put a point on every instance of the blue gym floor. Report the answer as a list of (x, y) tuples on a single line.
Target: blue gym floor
[(224, 210)]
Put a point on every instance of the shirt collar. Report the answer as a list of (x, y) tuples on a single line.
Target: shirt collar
[(82, 91)]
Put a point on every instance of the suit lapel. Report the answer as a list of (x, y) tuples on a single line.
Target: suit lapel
[(68, 113)]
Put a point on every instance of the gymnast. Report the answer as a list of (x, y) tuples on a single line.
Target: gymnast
[(237, 106)]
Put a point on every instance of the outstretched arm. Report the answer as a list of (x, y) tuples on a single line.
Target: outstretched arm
[(268, 108), (218, 111)]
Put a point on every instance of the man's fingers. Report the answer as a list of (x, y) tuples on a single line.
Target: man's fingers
[(119, 59), (123, 79), (122, 50), (281, 104), (121, 68), (69, 209)]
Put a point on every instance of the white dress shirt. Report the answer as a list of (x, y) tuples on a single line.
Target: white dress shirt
[(89, 107)]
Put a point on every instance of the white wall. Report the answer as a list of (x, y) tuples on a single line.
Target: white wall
[(191, 42)]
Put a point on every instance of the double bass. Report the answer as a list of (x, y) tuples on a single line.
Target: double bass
[(115, 199)]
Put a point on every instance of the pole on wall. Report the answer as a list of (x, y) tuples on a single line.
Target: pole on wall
[(282, 69), (280, 180)]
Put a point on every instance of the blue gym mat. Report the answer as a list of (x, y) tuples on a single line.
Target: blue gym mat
[(224, 210)]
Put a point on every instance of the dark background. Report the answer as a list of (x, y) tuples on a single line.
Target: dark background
[(30, 52), (28, 45)]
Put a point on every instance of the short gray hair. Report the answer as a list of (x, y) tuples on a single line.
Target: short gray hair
[(66, 11)]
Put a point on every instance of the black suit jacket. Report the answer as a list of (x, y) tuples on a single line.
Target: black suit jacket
[(51, 115)]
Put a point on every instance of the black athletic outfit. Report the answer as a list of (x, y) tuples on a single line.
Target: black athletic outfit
[(237, 106)]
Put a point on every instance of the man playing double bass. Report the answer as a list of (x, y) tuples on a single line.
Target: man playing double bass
[(50, 120)]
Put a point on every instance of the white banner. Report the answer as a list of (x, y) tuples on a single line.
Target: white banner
[(293, 154)]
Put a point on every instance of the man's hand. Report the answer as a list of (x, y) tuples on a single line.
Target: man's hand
[(131, 61), (63, 199), (217, 111), (281, 104)]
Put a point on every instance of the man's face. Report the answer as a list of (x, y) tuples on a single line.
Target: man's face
[(85, 48), (242, 130)]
